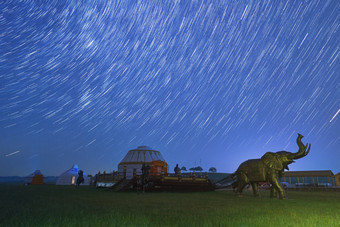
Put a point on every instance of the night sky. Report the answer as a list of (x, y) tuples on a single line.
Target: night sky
[(210, 84)]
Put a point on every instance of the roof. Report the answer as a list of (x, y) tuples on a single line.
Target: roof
[(75, 168), (312, 173), (29, 178), (66, 177), (142, 154), (142, 148), (73, 171), (37, 172)]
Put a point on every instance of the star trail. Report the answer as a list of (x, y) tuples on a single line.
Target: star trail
[(208, 83)]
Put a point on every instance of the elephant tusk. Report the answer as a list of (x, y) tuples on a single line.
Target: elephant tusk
[(308, 149)]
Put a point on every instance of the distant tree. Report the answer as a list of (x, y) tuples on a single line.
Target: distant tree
[(198, 168), (184, 168), (212, 170)]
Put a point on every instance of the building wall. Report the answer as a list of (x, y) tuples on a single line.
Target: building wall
[(310, 180), (71, 179), (129, 170), (337, 179)]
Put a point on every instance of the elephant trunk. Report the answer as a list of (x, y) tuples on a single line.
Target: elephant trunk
[(303, 149)]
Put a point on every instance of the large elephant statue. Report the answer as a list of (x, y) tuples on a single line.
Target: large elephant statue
[(269, 168)]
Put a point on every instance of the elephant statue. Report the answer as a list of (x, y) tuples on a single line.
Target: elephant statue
[(269, 168)]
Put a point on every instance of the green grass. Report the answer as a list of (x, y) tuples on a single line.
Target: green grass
[(50, 205)]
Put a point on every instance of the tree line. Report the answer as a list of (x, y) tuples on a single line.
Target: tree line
[(199, 169)]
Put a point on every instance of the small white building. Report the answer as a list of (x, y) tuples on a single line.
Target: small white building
[(70, 176), (135, 158)]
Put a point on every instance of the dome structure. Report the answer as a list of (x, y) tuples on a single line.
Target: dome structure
[(135, 158), (70, 176)]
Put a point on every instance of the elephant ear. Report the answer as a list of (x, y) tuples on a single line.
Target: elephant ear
[(272, 160)]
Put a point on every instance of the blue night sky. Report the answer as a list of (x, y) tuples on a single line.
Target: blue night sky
[(210, 84)]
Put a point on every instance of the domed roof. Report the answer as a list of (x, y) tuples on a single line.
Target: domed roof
[(74, 168), (142, 154), (37, 172), (30, 178), (66, 177), (143, 148)]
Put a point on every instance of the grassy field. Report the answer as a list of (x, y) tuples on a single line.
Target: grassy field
[(50, 205)]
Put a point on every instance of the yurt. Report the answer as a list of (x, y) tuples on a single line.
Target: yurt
[(135, 158), (34, 178), (70, 176)]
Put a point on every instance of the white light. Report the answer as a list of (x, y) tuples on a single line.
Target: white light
[(334, 115), (12, 153)]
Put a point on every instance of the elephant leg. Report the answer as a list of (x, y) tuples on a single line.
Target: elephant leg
[(255, 188), (240, 187), (242, 182), (273, 192), (276, 186)]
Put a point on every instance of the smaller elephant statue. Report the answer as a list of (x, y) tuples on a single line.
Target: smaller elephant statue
[(269, 168)]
